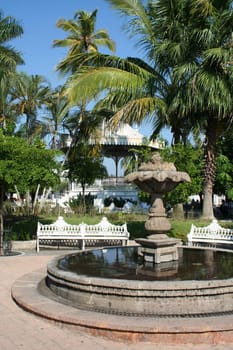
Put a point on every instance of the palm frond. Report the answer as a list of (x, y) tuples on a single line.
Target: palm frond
[(137, 110), (94, 81)]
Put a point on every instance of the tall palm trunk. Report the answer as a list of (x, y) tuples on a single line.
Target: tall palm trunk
[(1, 221), (83, 185), (209, 169)]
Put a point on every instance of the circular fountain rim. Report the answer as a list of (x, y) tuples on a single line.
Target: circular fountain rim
[(193, 330), (53, 269), (183, 298)]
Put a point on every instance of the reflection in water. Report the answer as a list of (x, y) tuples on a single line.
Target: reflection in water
[(124, 263)]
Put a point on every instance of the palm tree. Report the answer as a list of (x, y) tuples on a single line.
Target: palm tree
[(9, 57), (204, 65), (29, 94), (188, 45), (56, 113), (81, 38), (7, 114)]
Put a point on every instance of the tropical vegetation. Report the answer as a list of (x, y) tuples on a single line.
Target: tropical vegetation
[(182, 82), (185, 81)]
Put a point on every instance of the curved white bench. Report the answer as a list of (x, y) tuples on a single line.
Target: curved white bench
[(212, 234), (60, 232)]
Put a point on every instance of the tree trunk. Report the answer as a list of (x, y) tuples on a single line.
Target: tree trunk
[(35, 199), (27, 208), (209, 170), (1, 221), (83, 197), (42, 199), (178, 211), (18, 194)]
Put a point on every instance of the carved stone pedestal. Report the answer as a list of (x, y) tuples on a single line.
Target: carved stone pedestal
[(157, 178), (157, 251)]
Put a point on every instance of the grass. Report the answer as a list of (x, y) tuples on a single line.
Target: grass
[(24, 228)]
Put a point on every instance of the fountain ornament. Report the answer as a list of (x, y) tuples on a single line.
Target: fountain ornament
[(157, 177)]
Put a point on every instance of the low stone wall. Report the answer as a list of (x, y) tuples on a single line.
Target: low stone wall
[(21, 245)]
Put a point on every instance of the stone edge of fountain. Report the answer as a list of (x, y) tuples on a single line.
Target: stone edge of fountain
[(28, 296)]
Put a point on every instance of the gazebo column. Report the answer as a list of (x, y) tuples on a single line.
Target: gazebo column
[(116, 160)]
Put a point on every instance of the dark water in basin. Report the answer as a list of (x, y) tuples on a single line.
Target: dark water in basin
[(124, 263)]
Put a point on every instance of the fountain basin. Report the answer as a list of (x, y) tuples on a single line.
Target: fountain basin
[(119, 292)]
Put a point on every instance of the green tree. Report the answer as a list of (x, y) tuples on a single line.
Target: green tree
[(8, 118), (186, 158), (29, 94), (45, 169), (224, 166), (224, 177), (25, 166), (85, 165), (56, 112), (82, 37), (206, 74), (188, 82), (9, 56)]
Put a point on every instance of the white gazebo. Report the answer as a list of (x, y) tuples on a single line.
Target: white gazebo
[(117, 143)]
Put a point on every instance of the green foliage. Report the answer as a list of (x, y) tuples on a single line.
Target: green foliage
[(224, 176), (224, 166), (82, 36), (24, 228), (9, 29), (28, 94), (85, 165), (76, 204), (185, 82), (144, 197), (118, 201), (137, 157), (25, 166), (188, 159)]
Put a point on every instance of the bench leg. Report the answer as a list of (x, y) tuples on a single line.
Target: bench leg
[(37, 246), (83, 244)]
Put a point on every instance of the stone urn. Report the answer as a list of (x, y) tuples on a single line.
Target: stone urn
[(157, 177)]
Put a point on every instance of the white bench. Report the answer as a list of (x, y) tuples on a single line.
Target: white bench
[(62, 233), (212, 234)]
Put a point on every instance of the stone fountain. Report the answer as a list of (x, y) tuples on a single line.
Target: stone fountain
[(110, 291), (157, 177)]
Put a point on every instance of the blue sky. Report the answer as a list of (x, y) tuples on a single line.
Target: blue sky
[(38, 18)]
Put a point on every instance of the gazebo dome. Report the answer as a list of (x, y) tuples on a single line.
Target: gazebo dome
[(118, 142)]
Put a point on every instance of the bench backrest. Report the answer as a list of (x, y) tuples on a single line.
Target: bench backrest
[(212, 231), (103, 228)]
